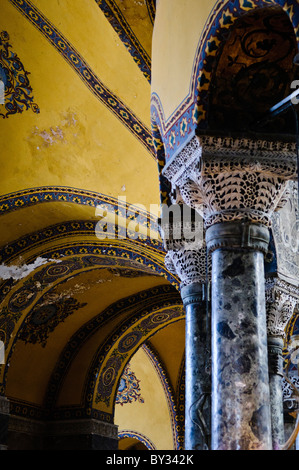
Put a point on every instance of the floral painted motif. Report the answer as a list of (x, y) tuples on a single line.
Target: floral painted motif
[(17, 89), (129, 388)]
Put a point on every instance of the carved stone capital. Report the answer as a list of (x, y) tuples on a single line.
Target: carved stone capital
[(180, 225), (281, 300), (191, 265), (227, 179)]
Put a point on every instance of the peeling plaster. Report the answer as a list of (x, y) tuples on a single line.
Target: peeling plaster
[(19, 272), (62, 133)]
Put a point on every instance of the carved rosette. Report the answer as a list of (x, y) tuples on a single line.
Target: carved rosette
[(227, 179), (281, 300)]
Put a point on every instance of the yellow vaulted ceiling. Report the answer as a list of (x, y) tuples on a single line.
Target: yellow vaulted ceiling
[(77, 135), (75, 140)]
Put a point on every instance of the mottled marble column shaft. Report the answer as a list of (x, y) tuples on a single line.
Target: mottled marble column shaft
[(241, 417), (197, 369), (275, 346)]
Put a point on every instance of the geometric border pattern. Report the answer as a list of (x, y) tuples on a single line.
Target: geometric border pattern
[(125, 33)]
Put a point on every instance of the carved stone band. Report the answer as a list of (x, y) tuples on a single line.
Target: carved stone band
[(227, 179), (232, 235)]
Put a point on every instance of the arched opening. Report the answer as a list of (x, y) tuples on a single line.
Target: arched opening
[(253, 72), (131, 443)]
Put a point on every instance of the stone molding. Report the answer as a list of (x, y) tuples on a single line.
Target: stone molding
[(227, 179), (63, 428), (26, 426), (84, 426)]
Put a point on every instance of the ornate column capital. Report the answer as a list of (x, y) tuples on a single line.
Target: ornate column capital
[(191, 265), (183, 238), (281, 300), (227, 179)]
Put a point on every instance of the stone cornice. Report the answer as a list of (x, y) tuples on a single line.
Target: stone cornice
[(260, 154)]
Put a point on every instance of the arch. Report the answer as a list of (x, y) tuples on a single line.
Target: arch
[(105, 374), (133, 307), (253, 70), (26, 297), (131, 440), (191, 114)]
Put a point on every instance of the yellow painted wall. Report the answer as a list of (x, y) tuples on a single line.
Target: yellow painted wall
[(151, 418), (178, 27), (75, 140)]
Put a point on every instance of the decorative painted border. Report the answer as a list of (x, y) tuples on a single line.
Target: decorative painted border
[(126, 35), (151, 8), (43, 194), (137, 435), (127, 338), (191, 113), (136, 305), (86, 74), (169, 393)]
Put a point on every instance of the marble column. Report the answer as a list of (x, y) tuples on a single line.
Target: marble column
[(240, 387), (236, 184), (198, 375), (281, 300), (189, 262)]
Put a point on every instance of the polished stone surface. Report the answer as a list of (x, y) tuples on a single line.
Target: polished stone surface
[(241, 418), (197, 369)]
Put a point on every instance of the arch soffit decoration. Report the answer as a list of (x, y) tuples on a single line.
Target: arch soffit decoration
[(68, 257), (192, 112), (147, 312)]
